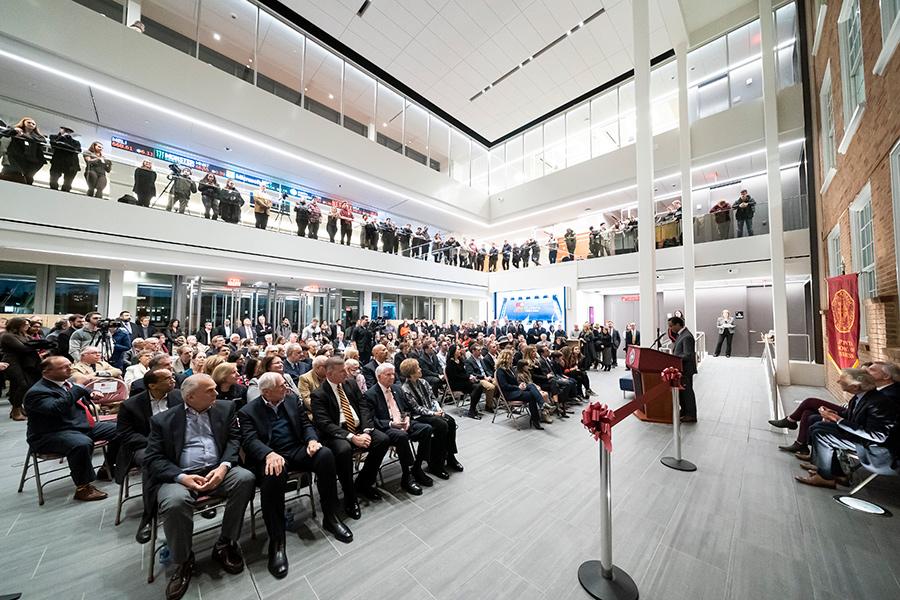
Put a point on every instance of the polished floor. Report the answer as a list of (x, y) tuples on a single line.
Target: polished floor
[(518, 522)]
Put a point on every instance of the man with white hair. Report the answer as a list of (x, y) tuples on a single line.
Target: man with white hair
[(192, 451), (293, 363), (91, 365), (391, 415), (864, 428), (277, 439)]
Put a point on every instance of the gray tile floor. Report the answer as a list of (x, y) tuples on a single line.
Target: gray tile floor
[(518, 522)]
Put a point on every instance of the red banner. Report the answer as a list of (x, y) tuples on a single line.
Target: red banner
[(843, 320)]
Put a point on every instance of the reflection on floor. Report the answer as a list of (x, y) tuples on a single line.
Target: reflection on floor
[(518, 522)]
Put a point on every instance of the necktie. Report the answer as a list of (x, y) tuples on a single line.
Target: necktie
[(349, 421), (392, 405)]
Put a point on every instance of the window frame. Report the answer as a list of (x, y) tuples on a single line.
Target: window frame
[(890, 34), (861, 206), (827, 133), (853, 94), (833, 250)]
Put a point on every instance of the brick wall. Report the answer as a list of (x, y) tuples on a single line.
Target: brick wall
[(866, 161)]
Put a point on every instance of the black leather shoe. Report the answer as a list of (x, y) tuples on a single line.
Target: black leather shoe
[(143, 533), (476, 416), (352, 510), (229, 556), (337, 528), (439, 473), (784, 423), (209, 513), (421, 478), (410, 485), (454, 465), (795, 447), (180, 579), (370, 492), (536, 424), (278, 561)]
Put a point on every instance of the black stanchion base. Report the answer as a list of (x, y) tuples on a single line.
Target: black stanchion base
[(678, 464), (620, 587)]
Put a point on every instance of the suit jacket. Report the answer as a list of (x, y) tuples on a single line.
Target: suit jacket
[(52, 409), (616, 338), (205, 337), (247, 333), (326, 410), (871, 422), (137, 386), (632, 340), (490, 364), (307, 383), (471, 366), (142, 332), (368, 371), (430, 366), (377, 404), (224, 331), (133, 427), (684, 349), (295, 370), (166, 439), (255, 429)]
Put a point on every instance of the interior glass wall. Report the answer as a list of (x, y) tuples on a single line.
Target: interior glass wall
[(18, 287)]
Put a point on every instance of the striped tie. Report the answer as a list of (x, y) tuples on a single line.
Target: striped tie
[(349, 421)]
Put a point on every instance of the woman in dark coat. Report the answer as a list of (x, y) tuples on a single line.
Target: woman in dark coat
[(515, 391), (25, 153), (605, 348), (144, 183), (173, 332), (22, 355), (460, 381), (587, 346), (209, 193)]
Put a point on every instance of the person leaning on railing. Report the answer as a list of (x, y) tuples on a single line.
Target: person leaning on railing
[(22, 148), (230, 203)]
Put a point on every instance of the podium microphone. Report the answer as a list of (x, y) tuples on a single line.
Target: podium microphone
[(658, 338)]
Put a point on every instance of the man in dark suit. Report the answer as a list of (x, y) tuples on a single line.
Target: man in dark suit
[(534, 333), (143, 329), (133, 427), (475, 367), (159, 360), (60, 421), (225, 329), (345, 425), (431, 368), (390, 414), (616, 342), (294, 365), (494, 330), (632, 336), (683, 348), (277, 438), (490, 359), (192, 451), (247, 331), (868, 427), (363, 338), (379, 355), (206, 334)]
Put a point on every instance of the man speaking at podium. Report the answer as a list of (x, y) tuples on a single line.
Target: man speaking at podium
[(683, 348)]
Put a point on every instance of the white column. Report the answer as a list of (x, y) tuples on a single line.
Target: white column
[(644, 170), (366, 308), (115, 292), (132, 11), (773, 184), (687, 202)]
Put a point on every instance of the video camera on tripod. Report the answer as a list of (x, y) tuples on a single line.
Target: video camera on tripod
[(178, 171)]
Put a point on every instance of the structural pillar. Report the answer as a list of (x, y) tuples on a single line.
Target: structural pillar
[(115, 290), (773, 185), (132, 12), (644, 170), (366, 308), (687, 202)]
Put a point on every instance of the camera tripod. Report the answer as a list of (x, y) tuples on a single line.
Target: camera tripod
[(187, 208)]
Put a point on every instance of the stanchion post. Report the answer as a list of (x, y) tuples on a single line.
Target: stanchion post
[(676, 462), (602, 579)]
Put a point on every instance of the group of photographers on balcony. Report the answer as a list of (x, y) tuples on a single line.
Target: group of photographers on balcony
[(24, 152)]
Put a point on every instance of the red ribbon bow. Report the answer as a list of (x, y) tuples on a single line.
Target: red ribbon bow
[(598, 419), (672, 376)]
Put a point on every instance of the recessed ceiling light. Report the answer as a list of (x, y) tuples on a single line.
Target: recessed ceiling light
[(749, 81), (249, 60), (331, 96), (306, 89), (216, 36), (384, 124)]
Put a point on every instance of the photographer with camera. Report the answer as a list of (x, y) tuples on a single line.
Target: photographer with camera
[(209, 193), (230, 203), (144, 183), (64, 162), (85, 336), (22, 149), (181, 188)]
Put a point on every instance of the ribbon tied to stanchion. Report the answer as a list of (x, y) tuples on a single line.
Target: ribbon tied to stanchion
[(672, 376), (598, 419)]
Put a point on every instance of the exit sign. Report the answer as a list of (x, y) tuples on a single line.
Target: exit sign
[(233, 282), (631, 298)]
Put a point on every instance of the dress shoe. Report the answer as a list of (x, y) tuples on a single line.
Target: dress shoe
[(803, 455), (143, 533), (228, 554), (337, 528), (454, 465), (439, 473), (784, 423), (536, 424), (180, 579), (421, 478), (278, 561), (370, 492), (103, 473), (817, 481), (475, 416), (17, 414), (209, 513), (795, 447), (88, 493), (409, 484), (352, 510), (688, 419)]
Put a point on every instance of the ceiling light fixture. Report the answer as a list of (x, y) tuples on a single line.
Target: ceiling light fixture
[(216, 36), (331, 96)]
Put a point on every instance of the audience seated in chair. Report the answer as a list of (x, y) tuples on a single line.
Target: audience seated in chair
[(90, 364), (278, 438)]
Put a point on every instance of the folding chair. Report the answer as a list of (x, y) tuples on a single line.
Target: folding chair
[(125, 491), (201, 505), (513, 409), (114, 392), (456, 397), (300, 480), (35, 459)]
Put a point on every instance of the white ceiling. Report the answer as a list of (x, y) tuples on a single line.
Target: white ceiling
[(449, 50)]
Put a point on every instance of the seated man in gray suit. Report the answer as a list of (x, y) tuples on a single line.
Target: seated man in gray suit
[(192, 451), (683, 348)]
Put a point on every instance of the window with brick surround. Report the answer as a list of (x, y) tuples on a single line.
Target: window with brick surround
[(862, 240), (890, 33), (827, 132), (853, 82), (835, 260)]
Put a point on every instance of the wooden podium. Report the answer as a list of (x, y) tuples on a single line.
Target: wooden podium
[(655, 394)]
